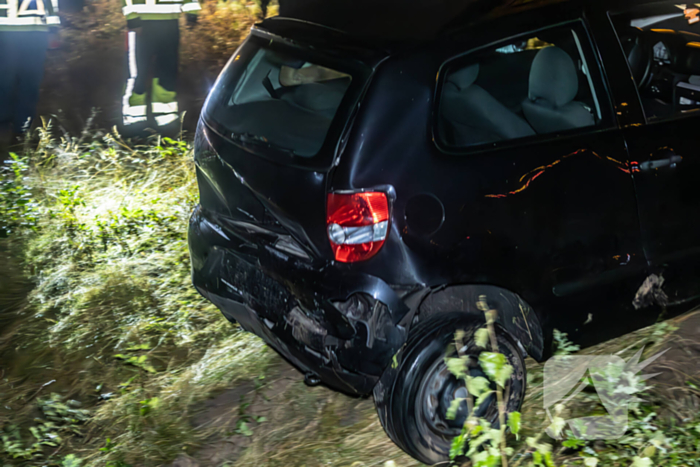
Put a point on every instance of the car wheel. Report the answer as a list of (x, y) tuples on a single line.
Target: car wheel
[(413, 404)]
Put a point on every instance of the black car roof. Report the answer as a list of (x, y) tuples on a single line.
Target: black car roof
[(373, 42)]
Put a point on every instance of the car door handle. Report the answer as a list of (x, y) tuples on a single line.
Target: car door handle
[(657, 164)]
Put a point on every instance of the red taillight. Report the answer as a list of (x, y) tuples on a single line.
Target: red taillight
[(358, 224)]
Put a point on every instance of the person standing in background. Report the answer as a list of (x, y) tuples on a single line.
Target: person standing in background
[(25, 26), (153, 37)]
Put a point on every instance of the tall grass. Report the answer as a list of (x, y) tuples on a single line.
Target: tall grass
[(113, 317)]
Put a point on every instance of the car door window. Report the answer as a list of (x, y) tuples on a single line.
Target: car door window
[(662, 45), (538, 84)]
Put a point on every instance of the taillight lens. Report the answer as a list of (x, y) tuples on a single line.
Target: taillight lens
[(358, 224)]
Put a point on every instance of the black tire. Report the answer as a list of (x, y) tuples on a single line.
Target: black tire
[(413, 403)]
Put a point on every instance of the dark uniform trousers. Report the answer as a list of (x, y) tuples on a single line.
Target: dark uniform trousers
[(22, 56)]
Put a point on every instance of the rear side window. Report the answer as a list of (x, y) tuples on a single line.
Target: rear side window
[(662, 45), (540, 84), (280, 99)]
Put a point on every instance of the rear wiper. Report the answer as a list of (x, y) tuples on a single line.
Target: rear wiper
[(253, 140)]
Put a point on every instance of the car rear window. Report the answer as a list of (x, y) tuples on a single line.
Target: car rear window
[(280, 98)]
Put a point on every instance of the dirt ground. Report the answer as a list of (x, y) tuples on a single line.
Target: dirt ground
[(296, 417), (678, 370)]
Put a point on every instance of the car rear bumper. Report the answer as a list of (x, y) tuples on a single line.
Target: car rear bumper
[(342, 326)]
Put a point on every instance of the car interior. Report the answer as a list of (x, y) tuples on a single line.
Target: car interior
[(283, 102), (663, 52), (530, 87)]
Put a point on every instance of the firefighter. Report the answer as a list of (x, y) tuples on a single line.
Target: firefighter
[(25, 26), (153, 38)]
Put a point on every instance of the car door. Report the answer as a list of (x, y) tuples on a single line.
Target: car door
[(548, 212), (657, 44)]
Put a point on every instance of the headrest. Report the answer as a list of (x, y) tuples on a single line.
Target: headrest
[(553, 77), (465, 77)]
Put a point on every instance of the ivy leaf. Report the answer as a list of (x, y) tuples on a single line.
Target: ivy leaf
[(514, 424), (481, 337)]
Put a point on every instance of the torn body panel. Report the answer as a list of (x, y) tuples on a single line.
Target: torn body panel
[(342, 328)]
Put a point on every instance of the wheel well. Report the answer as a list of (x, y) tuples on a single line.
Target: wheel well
[(513, 313)]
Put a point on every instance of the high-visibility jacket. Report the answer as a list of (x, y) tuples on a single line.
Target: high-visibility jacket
[(158, 9), (28, 15)]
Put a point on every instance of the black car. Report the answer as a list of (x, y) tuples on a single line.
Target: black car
[(359, 198)]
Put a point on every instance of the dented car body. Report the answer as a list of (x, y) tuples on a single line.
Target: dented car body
[(348, 195)]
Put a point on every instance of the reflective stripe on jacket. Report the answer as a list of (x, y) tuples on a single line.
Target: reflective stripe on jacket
[(28, 15), (158, 9)]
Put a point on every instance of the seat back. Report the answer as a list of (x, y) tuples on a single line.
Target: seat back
[(474, 116), (550, 106)]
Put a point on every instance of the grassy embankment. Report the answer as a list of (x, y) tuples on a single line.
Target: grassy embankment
[(107, 350), (108, 357)]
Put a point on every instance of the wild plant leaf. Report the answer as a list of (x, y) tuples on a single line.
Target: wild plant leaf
[(455, 404), (573, 443), (481, 337), (486, 459), (482, 398), (71, 461), (492, 363), (139, 347), (556, 427), (563, 345), (477, 385), (514, 424), (457, 446), (590, 461), (489, 436), (244, 430), (457, 366), (496, 367), (641, 462)]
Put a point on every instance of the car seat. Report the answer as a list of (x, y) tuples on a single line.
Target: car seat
[(475, 115), (550, 106)]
